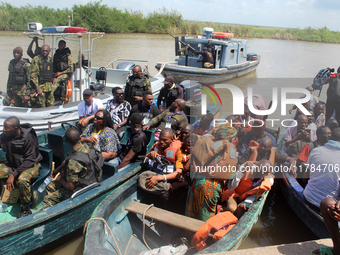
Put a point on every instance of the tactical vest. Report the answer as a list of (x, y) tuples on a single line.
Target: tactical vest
[(61, 60), (222, 223), (134, 85), (17, 75), (170, 152), (93, 161), (46, 71), (171, 96), (15, 149)]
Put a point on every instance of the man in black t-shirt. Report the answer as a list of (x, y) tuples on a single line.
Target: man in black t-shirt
[(145, 108), (135, 149)]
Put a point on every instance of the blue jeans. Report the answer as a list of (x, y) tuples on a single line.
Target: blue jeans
[(117, 161)]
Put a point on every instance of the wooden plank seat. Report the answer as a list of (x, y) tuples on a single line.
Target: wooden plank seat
[(165, 216)]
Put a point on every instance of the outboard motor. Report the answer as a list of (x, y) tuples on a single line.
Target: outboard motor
[(101, 75), (192, 95)]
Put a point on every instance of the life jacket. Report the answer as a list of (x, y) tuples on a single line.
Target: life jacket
[(134, 85), (15, 149), (170, 152), (93, 162), (221, 223), (245, 189), (60, 60), (46, 71), (17, 75), (254, 155)]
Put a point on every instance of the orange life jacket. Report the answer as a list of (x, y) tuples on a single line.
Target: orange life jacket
[(254, 155), (222, 223), (170, 152), (245, 189)]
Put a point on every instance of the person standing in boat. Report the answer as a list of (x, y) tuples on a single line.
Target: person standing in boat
[(145, 108), (119, 110), (42, 78), (18, 84), (137, 82), (62, 65), (169, 93), (88, 108), (22, 153), (208, 60)]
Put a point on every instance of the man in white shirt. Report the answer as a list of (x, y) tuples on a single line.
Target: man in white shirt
[(88, 108), (323, 165)]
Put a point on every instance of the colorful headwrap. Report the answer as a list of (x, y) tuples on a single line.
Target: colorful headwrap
[(226, 132)]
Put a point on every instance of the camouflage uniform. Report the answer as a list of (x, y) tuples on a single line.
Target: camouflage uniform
[(24, 181), (146, 86), (47, 99), (16, 92), (66, 73), (73, 172)]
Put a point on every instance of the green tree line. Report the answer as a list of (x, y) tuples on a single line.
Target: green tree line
[(96, 16)]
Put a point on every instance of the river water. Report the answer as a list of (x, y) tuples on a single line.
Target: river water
[(283, 64)]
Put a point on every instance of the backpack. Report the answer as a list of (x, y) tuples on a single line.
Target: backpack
[(320, 79), (333, 91), (93, 161)]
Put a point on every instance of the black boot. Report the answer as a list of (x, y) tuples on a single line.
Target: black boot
[(24, 211)]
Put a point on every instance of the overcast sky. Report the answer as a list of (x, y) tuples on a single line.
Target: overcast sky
[(276, 13)]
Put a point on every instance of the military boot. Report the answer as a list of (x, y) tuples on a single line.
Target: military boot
[(24, 211)]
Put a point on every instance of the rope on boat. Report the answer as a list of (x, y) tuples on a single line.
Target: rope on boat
[(161, 69), (107, 225), (144, 225)]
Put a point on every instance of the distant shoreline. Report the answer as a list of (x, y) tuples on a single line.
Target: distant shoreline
[(101, 18)]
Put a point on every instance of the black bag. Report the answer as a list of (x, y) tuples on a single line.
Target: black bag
[(59, 93), (333, 91), (320, 79)]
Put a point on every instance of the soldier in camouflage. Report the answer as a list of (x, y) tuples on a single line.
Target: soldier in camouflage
[(22, 153), (42, 78), (137, 82), (62, 65), (71, 172), (18, 84)]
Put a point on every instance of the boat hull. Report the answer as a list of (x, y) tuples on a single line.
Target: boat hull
[(206, 75), (112, 210)]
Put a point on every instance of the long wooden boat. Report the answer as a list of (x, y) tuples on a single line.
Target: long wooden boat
[(127, 226), (19, 236), (231, 59), (293, 193)]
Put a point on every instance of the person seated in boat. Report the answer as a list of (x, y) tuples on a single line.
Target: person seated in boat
[(254, 137), (172, 118), (319, 114), (265, 151), (330, 211), (137, 82), (75, 173), (145, 108), (21, 145), (169, 93), (207, 152), (42, 79), (332, 123), (323, 177), (101, 136), (207, 58), (203, 125), (18, 83), (62, 65), (184, 132), (88, 108), (323, 134), (250, 181), (37, 50), (135, 149), (119, 110), (158, 181), (312, 101)]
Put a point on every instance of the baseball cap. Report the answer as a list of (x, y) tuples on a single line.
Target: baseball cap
[(87, 92), (169, 79)]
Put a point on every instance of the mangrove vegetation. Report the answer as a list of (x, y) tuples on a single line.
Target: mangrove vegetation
[(99, 17)]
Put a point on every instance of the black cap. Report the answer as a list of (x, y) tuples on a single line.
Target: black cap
[(87, 92), (169, 79)]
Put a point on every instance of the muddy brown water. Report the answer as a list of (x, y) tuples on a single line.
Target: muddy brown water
[(283, 64)]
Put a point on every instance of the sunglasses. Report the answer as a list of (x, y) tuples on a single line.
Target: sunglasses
[(119, 94), (98, 118)]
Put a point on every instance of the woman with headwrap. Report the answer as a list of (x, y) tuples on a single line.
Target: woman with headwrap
[(213, 160)]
